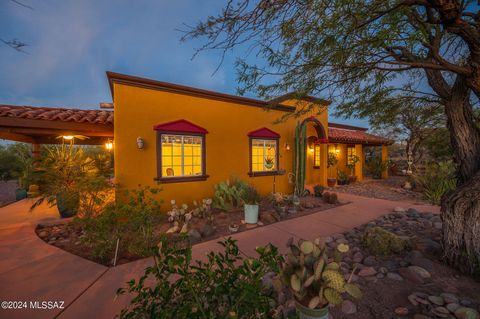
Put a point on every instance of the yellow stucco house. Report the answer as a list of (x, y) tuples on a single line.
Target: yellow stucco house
[(187, 139)]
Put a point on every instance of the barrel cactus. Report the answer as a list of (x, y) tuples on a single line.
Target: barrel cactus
[(313, 278)]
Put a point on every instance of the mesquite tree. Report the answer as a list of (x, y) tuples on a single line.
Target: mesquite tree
[(358, 52)]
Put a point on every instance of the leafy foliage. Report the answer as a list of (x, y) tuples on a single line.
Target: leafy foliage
[(379, 241), (314, 279), (376, 166), (228, 194), (439, 178), (132, 221), (16, 162), (227, 285)]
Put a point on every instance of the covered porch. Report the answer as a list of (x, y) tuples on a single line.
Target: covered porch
[(44, 125)]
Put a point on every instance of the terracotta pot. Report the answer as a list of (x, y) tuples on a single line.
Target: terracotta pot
[(352, 178), (331, 182)]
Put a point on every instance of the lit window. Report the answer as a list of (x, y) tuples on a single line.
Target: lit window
[(180, 152), (264, 155), (350, 155), (316, 156), (181, 155)]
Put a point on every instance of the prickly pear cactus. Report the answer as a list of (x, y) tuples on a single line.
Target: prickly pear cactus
[(313, 279)]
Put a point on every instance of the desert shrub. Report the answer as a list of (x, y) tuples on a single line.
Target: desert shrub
[(318, 190), (330, 198), (228, 195), (379, 241), (131, 221), (376, 166), (227, 285), (439, 178)]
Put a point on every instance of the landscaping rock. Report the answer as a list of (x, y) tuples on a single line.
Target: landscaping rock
[(394, 276), (466, 313), (449, 298), (422, 272), (452, 307), (399, 210), (349, 307), (410, 275), (367, 271), (207, 230), (194, 236), (420, 316), (429, 246), (370, 261), (441, 312), (412, 212), (401, 311), (436, 300)]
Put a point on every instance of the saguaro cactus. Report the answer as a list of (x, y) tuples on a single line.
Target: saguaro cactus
[(299, 157)]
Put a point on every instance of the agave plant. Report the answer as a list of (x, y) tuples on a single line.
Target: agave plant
[(314, 279)]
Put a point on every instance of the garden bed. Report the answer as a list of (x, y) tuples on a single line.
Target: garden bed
[(413, 284), (390, 189), (68, 236)]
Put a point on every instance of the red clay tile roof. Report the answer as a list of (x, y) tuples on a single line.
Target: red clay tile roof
[(354, 136), (57, 114)]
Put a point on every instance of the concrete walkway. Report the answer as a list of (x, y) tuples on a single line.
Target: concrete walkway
[(31, 270)]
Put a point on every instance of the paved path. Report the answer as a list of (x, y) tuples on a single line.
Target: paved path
[(31, 270)]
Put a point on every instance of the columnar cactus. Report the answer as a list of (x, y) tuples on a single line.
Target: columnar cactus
[(314, 280), (299, 158)]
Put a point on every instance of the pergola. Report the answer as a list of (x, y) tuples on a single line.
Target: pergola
[(44, 125)]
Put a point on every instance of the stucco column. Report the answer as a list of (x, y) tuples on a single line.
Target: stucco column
[(323, 164), (359, 165), (384, 159)]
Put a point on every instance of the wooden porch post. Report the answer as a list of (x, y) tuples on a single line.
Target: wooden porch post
[(360, 163), (36, 151), (384, 159)]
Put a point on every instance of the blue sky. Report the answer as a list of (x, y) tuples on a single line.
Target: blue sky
[(73, 42)]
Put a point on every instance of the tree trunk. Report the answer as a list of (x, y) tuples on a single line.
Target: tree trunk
[(461, 207)]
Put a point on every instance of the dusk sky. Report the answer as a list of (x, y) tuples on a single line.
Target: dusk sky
[(72, 44)]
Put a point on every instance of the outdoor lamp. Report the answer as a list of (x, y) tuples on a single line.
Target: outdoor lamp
[(67, 137), (336, 149), (287, 147), (109, 145), (140, 143)]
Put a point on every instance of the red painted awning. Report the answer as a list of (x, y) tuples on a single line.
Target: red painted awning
[(264, 133), (180, 126)]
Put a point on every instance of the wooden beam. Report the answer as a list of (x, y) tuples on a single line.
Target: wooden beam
[(53, 132), (59, 125), (17, 137)]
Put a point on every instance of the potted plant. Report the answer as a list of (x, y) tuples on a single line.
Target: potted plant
[(352, 160), (331, 161), (342, 177), (269, 162), (250, 198), (65, 172), (315, 280)]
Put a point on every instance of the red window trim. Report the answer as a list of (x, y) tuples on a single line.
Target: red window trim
[(264, 133)]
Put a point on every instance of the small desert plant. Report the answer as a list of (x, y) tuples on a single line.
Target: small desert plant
[(277, 199), (228, 194), (376, 167), (379, 241), (131, 220), (330, 198), (318, 190), (351, 161), (342, 177), (439, 178), (179, 216), (250, 195), (203, 209), (313, 278), (227, 285)]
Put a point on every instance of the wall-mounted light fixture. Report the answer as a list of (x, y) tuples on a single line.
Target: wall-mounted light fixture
[(311, 143), (337, 150), (109, 145), (287, 147), (140, 143), (67, 137)]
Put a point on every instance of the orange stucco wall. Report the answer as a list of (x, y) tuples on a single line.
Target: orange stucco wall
[(227, 144)]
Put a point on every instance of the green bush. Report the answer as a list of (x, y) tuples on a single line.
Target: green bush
[(226, 286), (318, 190), (376, 167), (379, 241), (228, 195), (133, 221), (439, 178)]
